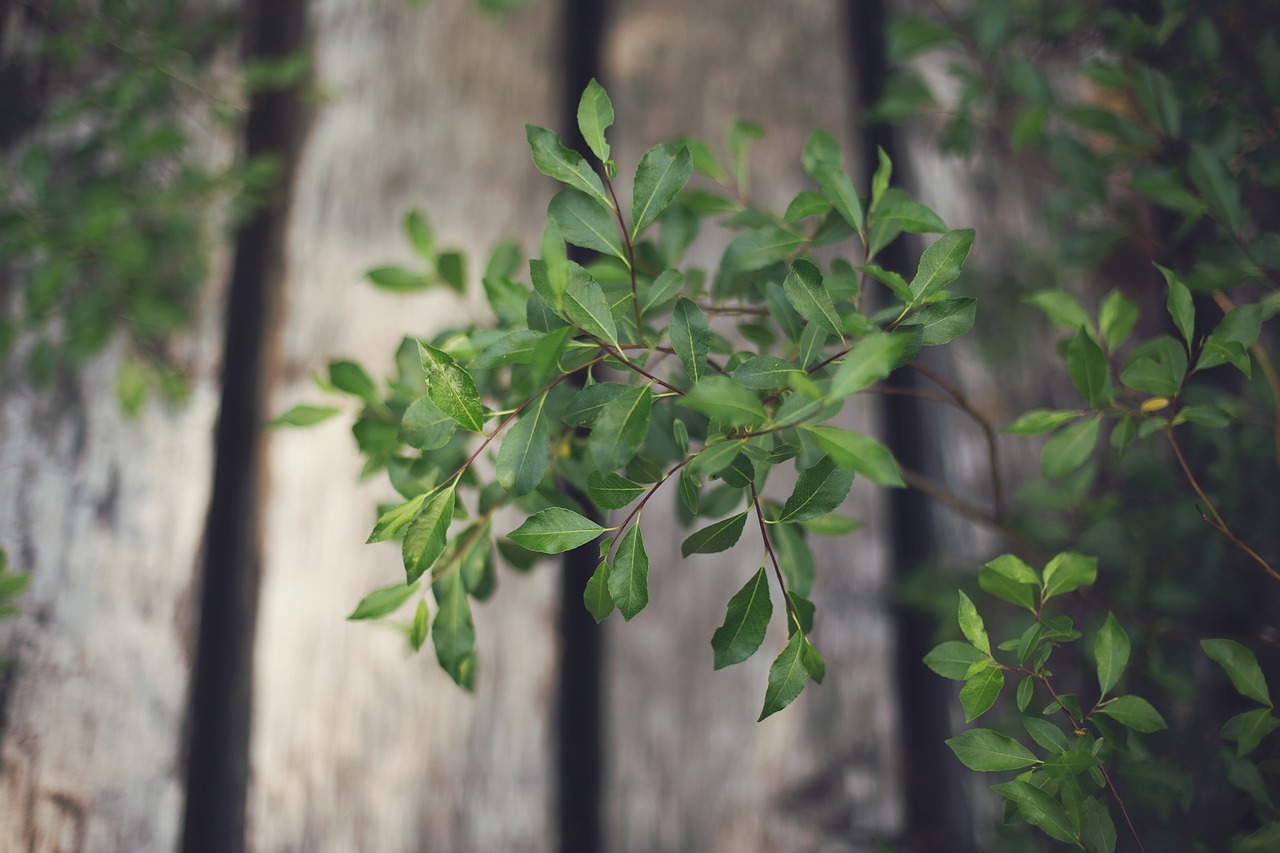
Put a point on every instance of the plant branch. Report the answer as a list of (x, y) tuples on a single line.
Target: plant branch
[(631, 251), (635, 512), (988, 430), (773, 557), (1216, 521), (971, 511), (1264, 362)]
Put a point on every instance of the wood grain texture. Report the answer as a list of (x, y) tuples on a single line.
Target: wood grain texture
[(690, 769), (356, 744), (107, 514)]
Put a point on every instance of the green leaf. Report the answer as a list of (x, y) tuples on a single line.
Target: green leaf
[(303, 416), (1045, 733), (522, 459), (787, 676), (1117, 316), (908, 214), (629, 575), (418, 231), (585, 223), (942, 322), (717, 396), (907, 37), (555, 161), (1098, 832), (397, 279), (1040, 420), (350, 378), (832, 525), (664, 287), (804, 290), (818, 491), (1265, 840), (1072, 762), (427, 534), (1218, 187), (554, 278), (555, 530), (765, 372), (418, 630), (1241, 666), (595, 116), (1025, 690), (662, 173), (1112, 653), (889, 279), (383, 601), (1040, 809), (690, 337), (621, 427), (1070, 448), (394, 520), (952, 659), (759, 248), (517, 347), (1156, 367), (612, 491), (745, 622), (453, 633), (586, 406), (870, 360), (860, 454), (713, 538), (1062, 310), (1088, 368), (1010, 579), (988, 751), (972, 627), (1253, 727), (940, 263), (1068, 571), (425, 427), (980, 692), (586, 307), (596, 596), (451, 388), (1135, 713)]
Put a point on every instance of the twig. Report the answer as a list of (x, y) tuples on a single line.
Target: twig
[(1216, 521), (777, 570)]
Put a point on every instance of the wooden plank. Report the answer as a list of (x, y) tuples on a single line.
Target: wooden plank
[(107, 514), (357, 745), (690, 768)]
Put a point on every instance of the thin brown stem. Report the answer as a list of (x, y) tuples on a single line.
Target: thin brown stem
[(1268, 370), (635, 511), (773, 558), (973, 512), (1214, 519), (988, 430), (631, 251)]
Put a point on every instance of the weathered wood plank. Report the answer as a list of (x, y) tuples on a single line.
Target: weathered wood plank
[(356, 745), (107, 514), (689, 768)]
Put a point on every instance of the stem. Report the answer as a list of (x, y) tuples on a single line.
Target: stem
[(631, 252), (1076, 726), (488, 439), (1216, 522), (773, 558), (971, 511), (616, 352), (1268, 369), (993, 450), (635, 512)]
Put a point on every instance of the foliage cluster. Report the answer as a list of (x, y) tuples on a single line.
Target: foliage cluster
[(107, 187), (602, 381)]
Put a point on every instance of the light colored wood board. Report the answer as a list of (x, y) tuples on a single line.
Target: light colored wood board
[(107, 514), (689, 767), (357, 745)]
